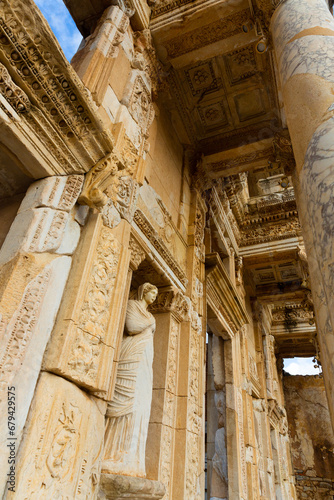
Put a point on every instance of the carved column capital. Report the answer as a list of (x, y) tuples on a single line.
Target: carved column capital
[(170, 299)]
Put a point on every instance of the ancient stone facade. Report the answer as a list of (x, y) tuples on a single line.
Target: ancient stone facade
[(311, 436), (188, 145)]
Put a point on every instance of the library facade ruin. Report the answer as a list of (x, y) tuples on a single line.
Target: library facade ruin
[(167, 239)]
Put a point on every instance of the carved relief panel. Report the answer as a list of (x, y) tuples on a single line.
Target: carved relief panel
[(61, 455), (91, 309)]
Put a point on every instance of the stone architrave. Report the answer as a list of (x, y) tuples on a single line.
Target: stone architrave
[(302, 33), (62, 450), (129, 411)]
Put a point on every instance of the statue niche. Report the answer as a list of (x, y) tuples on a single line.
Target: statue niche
[(129, 412)]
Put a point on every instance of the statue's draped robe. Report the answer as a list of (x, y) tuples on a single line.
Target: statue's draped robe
[(129, 412)]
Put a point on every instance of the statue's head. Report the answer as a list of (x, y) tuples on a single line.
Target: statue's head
[(148, 292)]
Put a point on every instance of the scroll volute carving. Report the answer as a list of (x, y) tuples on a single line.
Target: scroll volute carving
[(99, 179)]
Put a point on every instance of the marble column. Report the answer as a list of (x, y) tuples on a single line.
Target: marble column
[(302, 32)]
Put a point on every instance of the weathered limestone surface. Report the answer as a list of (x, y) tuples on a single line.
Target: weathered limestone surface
[(91, 309), (116, 487), (311, 436), (182, 171), (35, 264), (61, 454), (128, 412)]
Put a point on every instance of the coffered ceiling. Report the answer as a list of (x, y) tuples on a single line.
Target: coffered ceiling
[(222, 89), (226, 100)]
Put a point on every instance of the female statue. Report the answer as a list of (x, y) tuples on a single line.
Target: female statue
[(129, 412)]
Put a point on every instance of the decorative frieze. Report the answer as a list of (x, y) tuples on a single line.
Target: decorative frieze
[(62, 107), (206, 35)]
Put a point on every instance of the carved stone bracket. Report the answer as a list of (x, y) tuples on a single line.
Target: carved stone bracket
[(137, 253), (172, 300), (112, 194), (98, 179)]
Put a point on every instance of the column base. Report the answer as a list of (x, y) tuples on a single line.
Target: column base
[(117, 487)]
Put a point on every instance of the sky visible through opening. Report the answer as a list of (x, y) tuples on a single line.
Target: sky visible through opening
[(300, 366), (62, 25)]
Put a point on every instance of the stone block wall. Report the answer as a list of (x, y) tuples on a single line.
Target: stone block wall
[(311, 436)]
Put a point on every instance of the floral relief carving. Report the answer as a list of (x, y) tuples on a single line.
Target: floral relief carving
[(12, 93), (94, 317), (61, 456), (19, 329), (126, 197)]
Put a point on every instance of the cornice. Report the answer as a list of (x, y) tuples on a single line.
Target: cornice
[(61, 112)]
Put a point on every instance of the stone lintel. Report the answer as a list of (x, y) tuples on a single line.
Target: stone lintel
[(117, 487)]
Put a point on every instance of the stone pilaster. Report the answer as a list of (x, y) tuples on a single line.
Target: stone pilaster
[(170, 309), (35, 261), (302, 33)]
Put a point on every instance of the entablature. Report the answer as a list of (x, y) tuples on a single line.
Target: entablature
[(222, 296), (48, 119)]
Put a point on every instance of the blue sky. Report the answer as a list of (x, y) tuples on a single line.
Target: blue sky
[(61, 24), (300, 366)]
